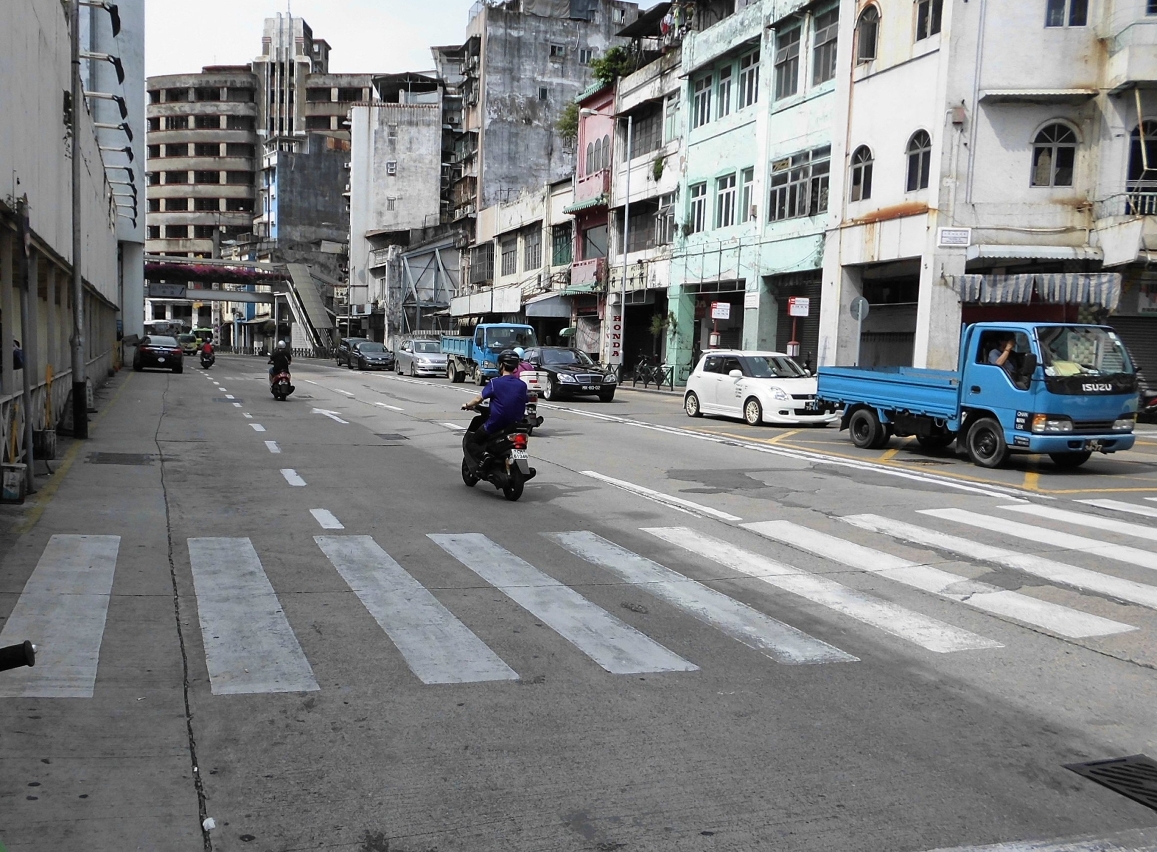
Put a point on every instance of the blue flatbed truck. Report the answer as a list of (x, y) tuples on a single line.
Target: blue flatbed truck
[(1064, 390), (476, 356)]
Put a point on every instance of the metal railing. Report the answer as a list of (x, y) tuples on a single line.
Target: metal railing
[(1140, 201)]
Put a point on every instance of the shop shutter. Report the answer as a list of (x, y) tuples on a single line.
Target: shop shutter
[(807, 328), (1140, 336)]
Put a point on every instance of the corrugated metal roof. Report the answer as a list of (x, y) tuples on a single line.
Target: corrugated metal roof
[(1034, 252), (586, 205), (1040, 96)]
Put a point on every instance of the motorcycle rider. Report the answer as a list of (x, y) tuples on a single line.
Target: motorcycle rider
[(507, 394), (207, 351), (280, 359)]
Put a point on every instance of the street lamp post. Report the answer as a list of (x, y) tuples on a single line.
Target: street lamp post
[(626, 241), (79, 385)]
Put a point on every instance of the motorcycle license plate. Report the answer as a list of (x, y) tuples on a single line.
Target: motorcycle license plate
[(519, 455), (160, 360), (590, 387)]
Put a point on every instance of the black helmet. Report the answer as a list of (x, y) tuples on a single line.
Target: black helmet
[(509, 359)]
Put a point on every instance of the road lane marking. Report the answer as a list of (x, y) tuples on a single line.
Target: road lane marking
[(1081, 519), (660, 497), (1053, 538), (1062, 620), (1061, 573), (62, 610), (1122, 506), (339, 390), (327, 520), (230, 396), (613, 644), (1136, 840), (307, 381), (741, 622), (236, 405), (457, 427), (436, 646), (902, 623), (256, 427), (390, 407), (291, 476), (272, 445), (247, 416), (332, 415), (249, 645)]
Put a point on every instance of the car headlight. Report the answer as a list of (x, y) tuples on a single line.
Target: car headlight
[(1046, 423), (610, 379), (566, 377), (779, 393), (1123, 424)]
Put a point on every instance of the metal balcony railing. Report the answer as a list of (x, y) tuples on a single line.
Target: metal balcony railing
[(1139, 199)]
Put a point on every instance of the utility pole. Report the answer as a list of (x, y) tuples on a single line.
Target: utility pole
[(28, 287), (79, 385)]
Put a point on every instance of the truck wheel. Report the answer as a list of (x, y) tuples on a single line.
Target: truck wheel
[(1068, 461), (866, 429), (986, 446), (479, 379)]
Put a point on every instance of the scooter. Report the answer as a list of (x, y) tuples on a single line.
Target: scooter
[(280, 386), (504, 461), (208, 359)]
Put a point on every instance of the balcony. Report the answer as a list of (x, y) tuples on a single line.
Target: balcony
[(592, 186), (584, 273), (378, 258), (1139, 200)]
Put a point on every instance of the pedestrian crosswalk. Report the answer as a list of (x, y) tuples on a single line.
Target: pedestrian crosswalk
[(936, 558)]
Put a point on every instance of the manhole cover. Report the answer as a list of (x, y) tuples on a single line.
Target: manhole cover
[(120, 458), (391, 437), (226, 399), (1134, 776)]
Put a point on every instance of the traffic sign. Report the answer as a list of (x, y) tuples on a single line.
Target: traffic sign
[(798, 306), (720, 310), (859, 308)]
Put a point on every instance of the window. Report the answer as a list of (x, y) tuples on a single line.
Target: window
[(172, 204), (391, 167), (592, 162), (586, 55), (153, 232), (641, 236), (723, 91), (867, 32), (203, 232), (532, 249), (154, 205), (154, 96), (239, 205), (646, 134), (747, 195), (928, 14), (208, 94), (207, 122), (173, 95), (154, 178), (153, 124), (317, 122), (698, 220), (205, 204), (238, 149), (787, 63), (176, 232), (317, 95), (543, 93), (561, 248), (618, 16), (181, 150), (919, 154), (748, 80), (799, 185), (701, 107), (237, 122), (594, 242), (861, 174), (206, 177), (725, 202), (176, 122), (510, 256), (825, 32), (557, 51), (203, 149), (1054, 152), (1071, 13), (482, 265), (665, 220), (245, 178), (1151, 7), (153, 151), (671, 116), (176, 177)]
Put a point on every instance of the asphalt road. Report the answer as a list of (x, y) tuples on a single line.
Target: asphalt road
[(687, 635)]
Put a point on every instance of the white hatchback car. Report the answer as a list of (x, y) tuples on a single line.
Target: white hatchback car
[(760, 387)]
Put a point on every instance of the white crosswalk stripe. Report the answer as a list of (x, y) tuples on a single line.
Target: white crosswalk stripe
[(1136, 840), (1086, 520), (1122, 506), (62, 610), (614, 645), (1062, 620), (1053, 538), (883, 615), (739, 621), (1051, 570)]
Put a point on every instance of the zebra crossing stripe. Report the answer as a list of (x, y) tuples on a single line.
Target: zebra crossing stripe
[(1053, 538), (1136, 840), (437, 647), (1122, 506), (745, 624), (1055, 572), (327, 520), (1058, 619), (614, 645), (1084, 520), (900, 622), (62, 610), (249, 645)]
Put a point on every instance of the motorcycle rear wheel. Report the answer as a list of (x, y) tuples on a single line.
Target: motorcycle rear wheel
[(470, 479), (515, 483)]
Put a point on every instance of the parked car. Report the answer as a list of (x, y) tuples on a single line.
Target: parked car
[(189, 343), (371, 356), (342, 355), (571, 372), (421, 358), (760, 387), (159, 351)]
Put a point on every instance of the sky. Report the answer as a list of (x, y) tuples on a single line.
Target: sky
[(182, 36)]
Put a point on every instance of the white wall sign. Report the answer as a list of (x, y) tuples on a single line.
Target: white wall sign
[(798, 306), (720, 310), (953, 237), (751, 299)]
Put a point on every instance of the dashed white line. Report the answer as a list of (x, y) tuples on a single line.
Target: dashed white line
[(236, 405), (292, 477), (454, 426), (230, 396), (273, 448), (390, 407), (339, 390), (257, 427), (326, 519), (660, 497), (247, 416)]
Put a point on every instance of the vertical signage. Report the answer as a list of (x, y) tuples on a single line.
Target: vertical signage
[(613, 331)]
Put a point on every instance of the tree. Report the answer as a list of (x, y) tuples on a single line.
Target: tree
[(567, 124), (616, 62)]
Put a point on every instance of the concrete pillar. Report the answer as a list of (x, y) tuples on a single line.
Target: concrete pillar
[(8, 317), (938, 313), (29, 339), (759, 321), (51, 321), (681, 306)]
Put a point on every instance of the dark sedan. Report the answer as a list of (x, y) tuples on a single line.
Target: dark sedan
[(571, 372), (371, 356), (157, 351)]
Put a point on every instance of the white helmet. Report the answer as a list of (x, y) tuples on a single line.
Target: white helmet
[(281, 344), (519, 351)]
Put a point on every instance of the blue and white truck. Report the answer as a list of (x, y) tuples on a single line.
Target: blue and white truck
[(1065, 390), (477, 356)]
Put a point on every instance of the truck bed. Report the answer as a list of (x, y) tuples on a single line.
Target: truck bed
[(459, 346), (934, 393)]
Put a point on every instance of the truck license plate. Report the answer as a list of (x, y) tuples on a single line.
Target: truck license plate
[(519, 455), (1093, 446)]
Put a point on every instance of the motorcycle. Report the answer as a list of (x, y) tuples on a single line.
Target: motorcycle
[(207, 359), (15, 656), (280, 386), (504, 461)]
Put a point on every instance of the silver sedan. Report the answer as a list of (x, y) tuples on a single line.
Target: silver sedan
[(420, 358)]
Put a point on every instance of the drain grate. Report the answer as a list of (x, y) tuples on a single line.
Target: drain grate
[(1134, 776), (121, 458)]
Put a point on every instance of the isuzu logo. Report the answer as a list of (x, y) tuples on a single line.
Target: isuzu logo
[(1096, 388)]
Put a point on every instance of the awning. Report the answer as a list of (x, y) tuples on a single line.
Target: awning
[(553, 305), (583, 289), (1038, 96), (597, 201), (1055, 288), (1002, 252), (568, 332)]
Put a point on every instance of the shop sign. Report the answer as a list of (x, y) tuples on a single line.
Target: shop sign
[(751, 300), (720, 310), (798, 306), (614, 334), (953, 237)]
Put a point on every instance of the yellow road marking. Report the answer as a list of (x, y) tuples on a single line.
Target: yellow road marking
[(784, 436)]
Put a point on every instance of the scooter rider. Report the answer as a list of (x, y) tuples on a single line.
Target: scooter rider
[(507, 395), (280, 359)]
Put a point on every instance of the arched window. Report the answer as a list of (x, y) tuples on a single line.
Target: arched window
[(591, 158), (919, 161), (867, 29), (606, 152), (861, 174), (1054, 152)]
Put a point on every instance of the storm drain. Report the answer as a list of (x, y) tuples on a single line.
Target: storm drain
[(1134, 776), (121, 458)]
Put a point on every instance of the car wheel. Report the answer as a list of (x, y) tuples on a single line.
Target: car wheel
[(413, 372), (986, 445), (752, 412), (691, 405), (179, 369), (137, 366), (865, 428), (1070, 461), (606, 396), (551, 390)]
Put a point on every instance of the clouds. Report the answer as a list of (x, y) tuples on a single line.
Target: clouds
[(366, 36)]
